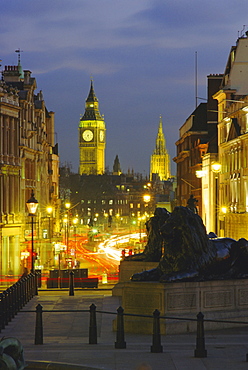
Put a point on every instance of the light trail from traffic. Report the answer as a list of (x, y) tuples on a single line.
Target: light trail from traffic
[(111, 245), (107, 255)]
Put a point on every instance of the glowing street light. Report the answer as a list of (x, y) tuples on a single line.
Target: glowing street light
[(67, 205), (146, 198), (216, 167), (32, 205), (224, 209)]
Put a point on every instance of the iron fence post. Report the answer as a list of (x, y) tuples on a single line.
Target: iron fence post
[(71, 289), (2, 324), (120, 340), (156, 338), (200, 350), (93, 326), (38, 326), (5, 307)]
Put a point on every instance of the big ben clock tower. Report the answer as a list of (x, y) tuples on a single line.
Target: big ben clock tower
[(92, 138)]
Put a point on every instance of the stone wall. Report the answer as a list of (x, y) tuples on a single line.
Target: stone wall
[(219, 300)]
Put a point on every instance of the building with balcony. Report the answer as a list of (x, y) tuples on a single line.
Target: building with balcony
[(232, 98)]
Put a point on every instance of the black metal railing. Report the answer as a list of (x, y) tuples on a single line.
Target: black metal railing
[(14, 298), (156, 346)]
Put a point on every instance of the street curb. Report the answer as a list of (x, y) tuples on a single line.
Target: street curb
[(41, 365)]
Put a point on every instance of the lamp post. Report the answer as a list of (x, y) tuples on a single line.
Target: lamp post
[(67, 230), (32, 205), (216, 168), (49, 210), (75, 221), (223, 229)]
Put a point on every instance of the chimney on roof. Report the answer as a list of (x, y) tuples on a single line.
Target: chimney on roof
[(11, 74), (27, 75)]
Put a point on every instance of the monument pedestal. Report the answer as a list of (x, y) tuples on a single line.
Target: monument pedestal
[(218, 300), (127, 269)]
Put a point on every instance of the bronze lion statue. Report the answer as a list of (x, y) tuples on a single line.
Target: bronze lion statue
[(190, 255)]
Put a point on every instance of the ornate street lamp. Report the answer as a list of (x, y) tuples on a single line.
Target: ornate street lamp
[(32, 205)]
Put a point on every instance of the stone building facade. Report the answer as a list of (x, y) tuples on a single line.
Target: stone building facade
[(29, 162), (232, 98)]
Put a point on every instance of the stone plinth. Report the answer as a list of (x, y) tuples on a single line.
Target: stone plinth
[(219, 300), (127, 269)]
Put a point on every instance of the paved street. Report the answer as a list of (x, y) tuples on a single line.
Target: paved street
[(66, 337)]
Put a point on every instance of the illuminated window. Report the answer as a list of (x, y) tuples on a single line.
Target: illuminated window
[(111, 201), (246, 122), (131, 205)]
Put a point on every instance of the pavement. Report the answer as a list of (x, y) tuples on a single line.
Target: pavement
[(66, 339)]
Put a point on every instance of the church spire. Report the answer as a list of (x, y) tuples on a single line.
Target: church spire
[(160, 148), (160, 159)]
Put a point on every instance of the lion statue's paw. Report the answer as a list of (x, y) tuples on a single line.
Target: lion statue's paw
[(149, 275)]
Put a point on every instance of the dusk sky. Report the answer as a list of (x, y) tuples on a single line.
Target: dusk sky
[(141, 54)]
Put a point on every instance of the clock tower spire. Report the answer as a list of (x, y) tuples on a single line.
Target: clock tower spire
[(92, 137)]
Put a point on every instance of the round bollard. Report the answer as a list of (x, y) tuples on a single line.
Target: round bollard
[(71, 288), (156, 338), (200, 350), (93, 326), (120, 340), (39, 326)]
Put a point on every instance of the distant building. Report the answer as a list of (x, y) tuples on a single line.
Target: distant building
[(117, 166), (126, 198), (160, 159), (92, 138)]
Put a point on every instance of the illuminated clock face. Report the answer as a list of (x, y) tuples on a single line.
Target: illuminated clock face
[(87, 135), (101, 135)]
